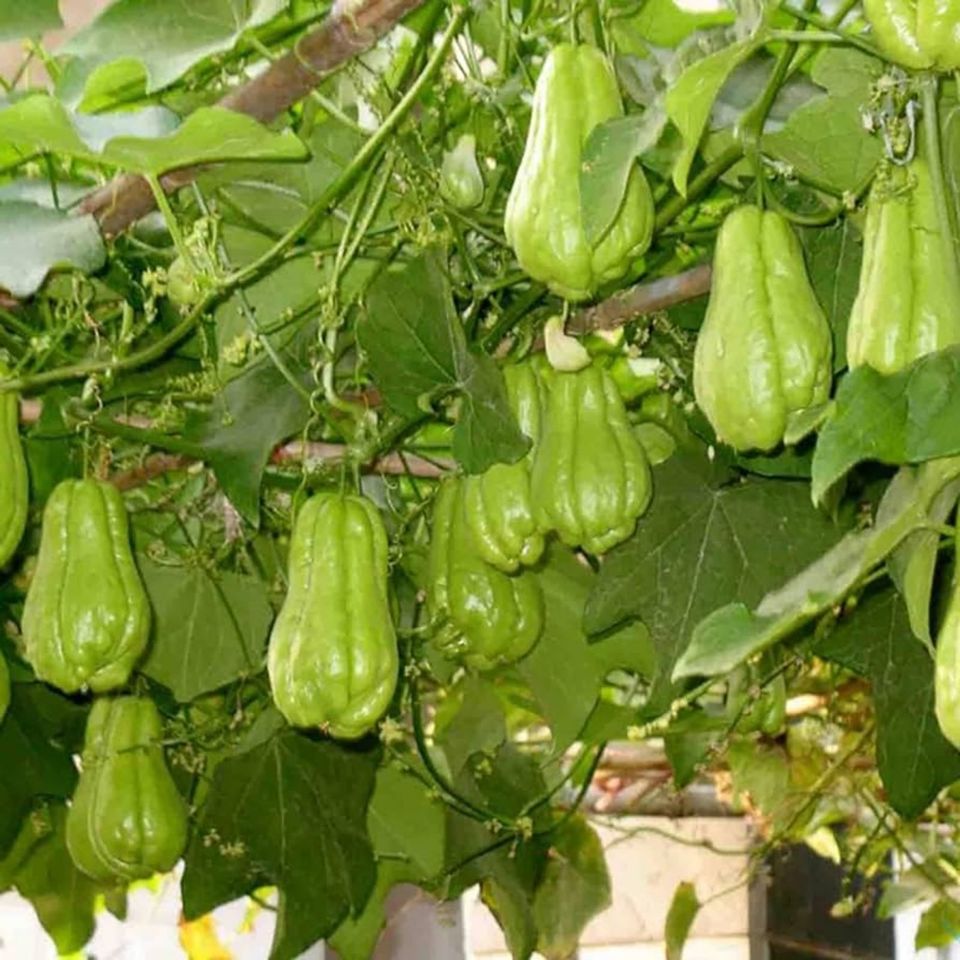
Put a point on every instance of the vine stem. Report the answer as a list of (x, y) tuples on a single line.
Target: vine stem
[(334, 192), (349, 29), (339, 187), (934, 156)]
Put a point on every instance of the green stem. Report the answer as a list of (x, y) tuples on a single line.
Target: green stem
[(106, 425), (351, 173), (484, 816), (698, 185), (337, 189), (163, 205), (933, 153)]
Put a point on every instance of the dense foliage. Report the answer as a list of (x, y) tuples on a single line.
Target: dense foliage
[(334, 374)]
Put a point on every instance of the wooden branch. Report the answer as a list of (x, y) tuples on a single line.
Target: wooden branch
[(642, 298), (350, 29)]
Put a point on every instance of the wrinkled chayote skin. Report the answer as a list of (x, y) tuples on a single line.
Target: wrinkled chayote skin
[(14, 485), (488, 617), (764, 350), (498, 505), (591, 477), (576, 91), (333, 650), (86, 620), (920, 34), (908, 301), (127, 820)]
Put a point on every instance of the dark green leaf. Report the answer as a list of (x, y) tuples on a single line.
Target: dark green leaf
[(290, 812), (34, 742), (248, 418), (914, 759), (208, 629), (478, 725), (62, 896), (417, 352), (833, 263), (564, 670), (684, 908), (574, 888), (907, 417), (698, 546), (732, 633)]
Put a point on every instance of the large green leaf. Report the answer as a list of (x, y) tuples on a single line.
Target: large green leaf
[(165, 38), (406, 826), (246, 420), (565, 670), (33, 743), (208, 628), (907, 417), (35, 239), (417, 351), (574, 888), (40, 869), (690, 100), (826, 140), (698, 546), (291, 812), (730, 634), (914, 759)]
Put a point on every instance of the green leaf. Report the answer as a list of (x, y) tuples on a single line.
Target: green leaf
[(406, 826), (574, 888), (833, 256), (19, 19), (684, 908), (565, 671), (405, 821), (609, 157), (41, 123), (697, 546), (690, 100), (208, 135), (730, 634), (208, 629), (290, 812), (939, 926), (246, 420), (166, 37), (32, 743), (62, 896), (825, 140), (664, 24), (477, 726), (760, 770), (417, 352), (35, 240), (907, 417), (914, 759), (357, 936)]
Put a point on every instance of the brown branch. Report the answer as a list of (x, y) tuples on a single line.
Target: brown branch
[(344, 34), (641, 299)]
